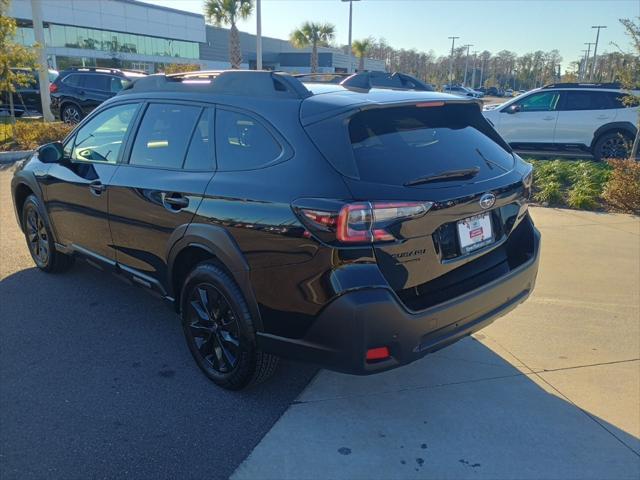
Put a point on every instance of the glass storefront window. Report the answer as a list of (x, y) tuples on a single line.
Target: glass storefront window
[(93, 39)]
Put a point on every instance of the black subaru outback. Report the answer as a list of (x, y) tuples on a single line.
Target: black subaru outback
[(356, 228)]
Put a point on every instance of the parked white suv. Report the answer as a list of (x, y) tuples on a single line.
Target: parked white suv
[(589, 117)]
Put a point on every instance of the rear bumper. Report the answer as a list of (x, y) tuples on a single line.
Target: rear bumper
[(370, 318)]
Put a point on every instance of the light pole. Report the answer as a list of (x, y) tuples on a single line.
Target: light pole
[(350, 69), (473, 70), (595, 50), (258, 35), (466, 64), (453, 42), (585, 73), (43, 68)]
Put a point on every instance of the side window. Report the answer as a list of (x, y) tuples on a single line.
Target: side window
[(97, 82), (101, 138), (116, 84), (72, 80), (200, 153), (539, 102), (242, 143), (616, 99), (164, 135), (586, 100)]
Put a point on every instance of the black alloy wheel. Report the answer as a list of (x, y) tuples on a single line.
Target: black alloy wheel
[(37, 237), (213, 328), (219, 329)]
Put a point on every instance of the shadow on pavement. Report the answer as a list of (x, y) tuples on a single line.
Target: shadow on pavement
[(97, 381), (463, 412)]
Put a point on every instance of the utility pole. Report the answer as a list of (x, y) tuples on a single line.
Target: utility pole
[(43, 68), (453, 42), (585, 73), (595, 50), (473, 70), (466, 64), (583, 65), (258, 35), (481, 72)]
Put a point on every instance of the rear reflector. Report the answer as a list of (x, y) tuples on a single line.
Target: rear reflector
[(429, 104), (379, 353)]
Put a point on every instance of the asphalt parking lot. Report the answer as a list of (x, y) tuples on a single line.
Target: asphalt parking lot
[(96, 380)]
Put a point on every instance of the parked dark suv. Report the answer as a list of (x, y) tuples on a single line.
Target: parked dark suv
[(356, 229), (77, 91)]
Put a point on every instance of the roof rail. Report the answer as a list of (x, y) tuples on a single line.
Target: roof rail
[(229, 82), (583, 85), (96, 69)]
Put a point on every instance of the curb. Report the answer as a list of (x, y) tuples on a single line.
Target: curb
[(10, 157)]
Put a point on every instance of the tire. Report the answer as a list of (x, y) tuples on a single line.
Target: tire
[(219, 330), (71, 114), (39, 239), (612, 145)]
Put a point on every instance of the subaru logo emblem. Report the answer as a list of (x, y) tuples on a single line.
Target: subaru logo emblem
[(487, 200)]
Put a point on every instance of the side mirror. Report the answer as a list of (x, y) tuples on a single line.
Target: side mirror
[(513, 109), (51, 153)]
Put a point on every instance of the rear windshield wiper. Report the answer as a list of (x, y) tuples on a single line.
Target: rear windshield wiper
[(464, 174)]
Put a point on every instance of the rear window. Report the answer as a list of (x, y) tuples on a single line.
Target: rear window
[(400, 144)]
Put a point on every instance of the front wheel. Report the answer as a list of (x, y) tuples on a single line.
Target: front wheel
[(219, 330), (39, 239), (612, 145)]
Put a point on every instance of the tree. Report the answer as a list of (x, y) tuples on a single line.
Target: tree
[(228, 12), (360, 49), (314, 35), (630, 76), (13, 55)]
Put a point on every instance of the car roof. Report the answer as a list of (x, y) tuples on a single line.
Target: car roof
[(330, 99)]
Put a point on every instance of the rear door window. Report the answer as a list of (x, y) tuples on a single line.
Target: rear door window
[(586, 100), (97, 82), (72, 80), (163, 135)]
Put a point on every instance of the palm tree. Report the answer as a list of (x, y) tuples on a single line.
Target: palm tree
[(228, 12), (360, 49), (314, 34)]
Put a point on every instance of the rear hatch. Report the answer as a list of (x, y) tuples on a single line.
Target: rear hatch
[(444, 157)]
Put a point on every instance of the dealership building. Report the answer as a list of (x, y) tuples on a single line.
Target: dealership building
[(141, 36)]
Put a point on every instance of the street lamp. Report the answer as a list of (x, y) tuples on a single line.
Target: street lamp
[(350, 69)]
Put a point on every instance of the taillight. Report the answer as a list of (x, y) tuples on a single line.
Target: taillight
[(365, 222), (53, 88)]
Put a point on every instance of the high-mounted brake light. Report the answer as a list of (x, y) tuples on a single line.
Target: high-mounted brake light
[(365, 222), (429, 104)]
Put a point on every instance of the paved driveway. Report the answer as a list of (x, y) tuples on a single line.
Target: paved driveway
[(96, 380), (551, 391)]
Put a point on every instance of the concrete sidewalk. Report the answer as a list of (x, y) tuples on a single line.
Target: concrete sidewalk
[(550, 391)]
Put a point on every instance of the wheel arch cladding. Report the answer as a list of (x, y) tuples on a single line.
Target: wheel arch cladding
[(209, 242), (20, 194)]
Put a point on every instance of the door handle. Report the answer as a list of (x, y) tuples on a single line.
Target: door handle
[(174, 201), (548, 118), (96, 187)]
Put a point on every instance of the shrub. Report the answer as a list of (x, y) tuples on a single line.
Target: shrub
[(577, 184), (623, 190), (181, 67), (29, 135)]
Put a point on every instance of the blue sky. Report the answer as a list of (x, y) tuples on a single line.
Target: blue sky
[(494, 25)]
